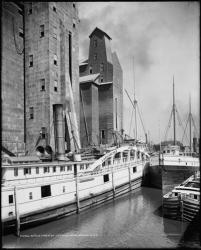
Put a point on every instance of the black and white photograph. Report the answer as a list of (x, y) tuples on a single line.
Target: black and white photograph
[(100, 124)]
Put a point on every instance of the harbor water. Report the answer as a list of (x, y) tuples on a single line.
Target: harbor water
[(133, 220)]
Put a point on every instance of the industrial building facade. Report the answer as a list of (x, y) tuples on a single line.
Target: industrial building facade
[(101, 92), (39, 57)]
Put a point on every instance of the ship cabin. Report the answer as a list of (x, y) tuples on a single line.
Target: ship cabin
[(188, 189), (31, 170)]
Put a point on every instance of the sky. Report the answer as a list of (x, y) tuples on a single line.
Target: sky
[(154, 41)]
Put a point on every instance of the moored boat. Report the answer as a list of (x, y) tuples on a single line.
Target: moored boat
[(34, 191), (183, 202)]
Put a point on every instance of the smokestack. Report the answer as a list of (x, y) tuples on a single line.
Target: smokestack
[(195, 144), (59, 131)]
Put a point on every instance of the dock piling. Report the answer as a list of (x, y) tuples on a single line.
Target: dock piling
[(17, 213), (77, 189)]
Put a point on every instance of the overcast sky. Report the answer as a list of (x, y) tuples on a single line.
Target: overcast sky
[(163, 38)]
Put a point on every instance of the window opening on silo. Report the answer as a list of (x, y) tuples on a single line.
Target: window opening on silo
[(103, 134), (90, 70), (95, 56), (42, 84), (55, 32), (70, 55), (30, 8), (74, 23), (30, 60), (55, 86), (31, 113), (55, 59), (54, 8), (95, 43), (43, 132), (42, 30), (21, 32), (101, 67)]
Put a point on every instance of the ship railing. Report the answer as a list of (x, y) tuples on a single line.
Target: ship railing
[(181, 162)]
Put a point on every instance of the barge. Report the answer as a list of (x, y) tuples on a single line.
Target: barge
[(183, 202)]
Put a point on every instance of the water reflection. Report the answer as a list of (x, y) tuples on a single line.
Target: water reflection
[(133, 220)]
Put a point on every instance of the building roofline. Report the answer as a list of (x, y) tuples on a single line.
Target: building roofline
[(101, 32)]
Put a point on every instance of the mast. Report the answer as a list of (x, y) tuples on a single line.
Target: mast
[(135, 103), (190, 120), (174, 121)]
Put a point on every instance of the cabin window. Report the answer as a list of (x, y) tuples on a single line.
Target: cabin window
[(54, 169), (42, 84), (134, 169), (31, 113), (109, 162), (64, 189), (168, 151), (73, 5), (30, 60), (46, 169), (27, 171), (82, 167), (37, 170), (138, 155), (62, 168), (30, 196), (45, 191), (21, 32), (90, 70), (73, 25), (87, 165), (69, 168), (195, 196), (10, 199), (42, 30), (15, 171), (176, 194), (106, 177), (10, 213)]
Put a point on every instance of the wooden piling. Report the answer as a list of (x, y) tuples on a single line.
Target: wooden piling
[(77, 188), (113, 185), (17, 213), (129, 175)]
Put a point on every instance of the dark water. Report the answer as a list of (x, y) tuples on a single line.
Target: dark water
[(133, 220)]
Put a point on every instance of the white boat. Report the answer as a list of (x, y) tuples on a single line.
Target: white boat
[(173, 156), (33, 191), (183, 202)]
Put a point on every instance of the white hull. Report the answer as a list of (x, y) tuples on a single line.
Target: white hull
[(63, 191)]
